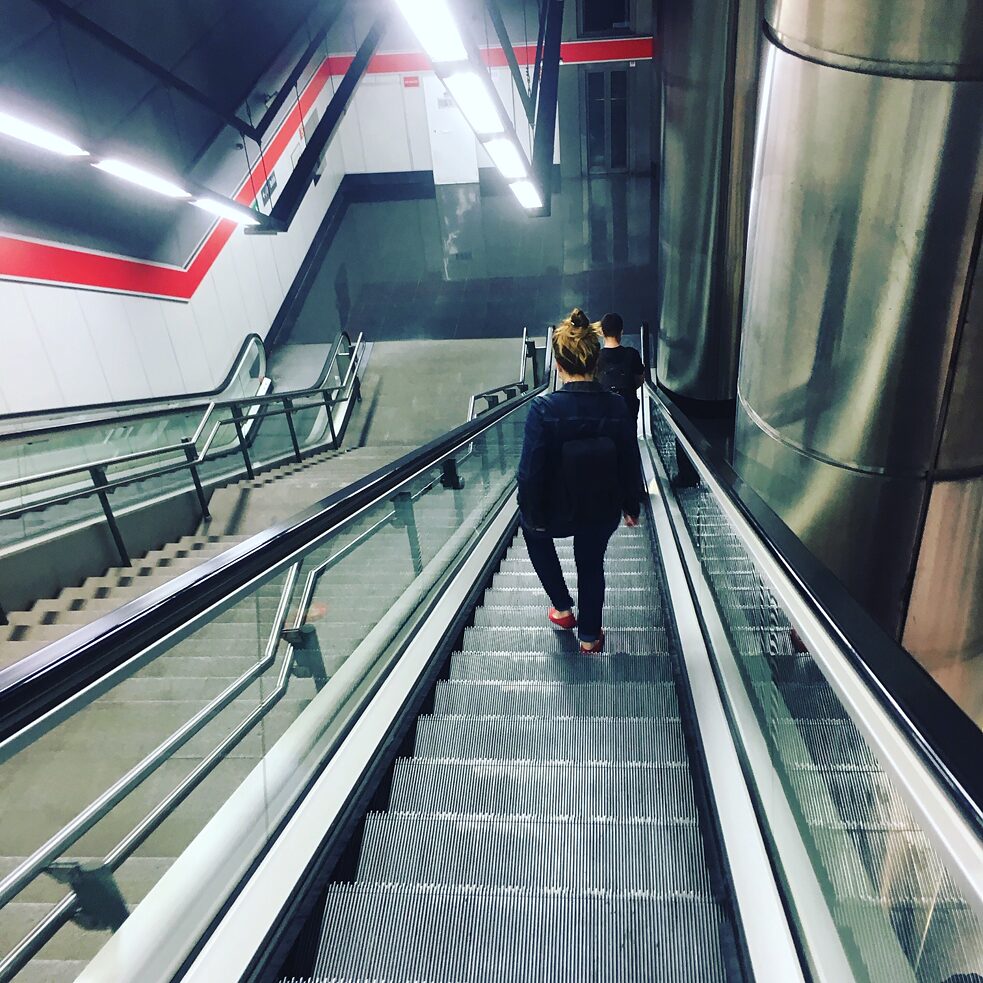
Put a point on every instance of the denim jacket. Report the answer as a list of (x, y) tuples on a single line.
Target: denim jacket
[(579, 410)]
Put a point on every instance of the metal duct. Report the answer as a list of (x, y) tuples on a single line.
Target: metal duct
[(709, 69), (861, 362)]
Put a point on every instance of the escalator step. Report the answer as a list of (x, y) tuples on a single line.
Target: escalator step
[(406, 934), (517, 666), (524, 577), (527, 699), (829, 745), (624, 790), (547, 640), (579, 855), (578, 739), (500, 613), (857, 800), (639, 566)]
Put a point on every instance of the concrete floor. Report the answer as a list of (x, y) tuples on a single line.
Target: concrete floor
[(414, 391)]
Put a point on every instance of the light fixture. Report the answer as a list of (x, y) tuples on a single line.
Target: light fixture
[(434, 27), (222, 210), (527, 194), (506, 157), (136, 175), (474, 100), (37, 137)]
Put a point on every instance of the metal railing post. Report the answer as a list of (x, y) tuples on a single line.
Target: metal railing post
[(237, 421), (327, 409), (531, 352), (405, 517), (288, 406), (308, 658), (449, 475), (98, 476), (191, 453)]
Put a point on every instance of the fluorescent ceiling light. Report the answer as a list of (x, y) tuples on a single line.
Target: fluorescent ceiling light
[(473, 99), (434, 27), (223, 210), (527, 194), (506, 157), (34, 135), (136, 175)]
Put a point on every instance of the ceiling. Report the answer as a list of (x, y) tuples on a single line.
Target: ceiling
[(61, 75)]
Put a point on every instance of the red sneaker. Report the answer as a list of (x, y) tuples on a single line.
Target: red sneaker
[(566, 622), (589, 648)]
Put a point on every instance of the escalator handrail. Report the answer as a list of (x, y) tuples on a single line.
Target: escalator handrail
[(179, 401), (946, 739), (251, 403), (194, 403), (40, 682)]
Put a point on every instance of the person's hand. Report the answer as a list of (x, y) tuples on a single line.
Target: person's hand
[(631, 520)]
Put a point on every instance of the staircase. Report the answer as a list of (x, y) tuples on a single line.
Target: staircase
[(238, 509), (88, 752), (546, 827)]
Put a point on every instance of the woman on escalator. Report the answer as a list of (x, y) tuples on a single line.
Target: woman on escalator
[(579, 474)]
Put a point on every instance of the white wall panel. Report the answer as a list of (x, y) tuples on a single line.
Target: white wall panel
[(156, 352), (27, 376), (196, 372), (77, 365), (382, 121), (115, 337)]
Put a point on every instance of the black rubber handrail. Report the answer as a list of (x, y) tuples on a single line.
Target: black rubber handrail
[(39, 682), (946, 738), (117, 420), (123, 404)]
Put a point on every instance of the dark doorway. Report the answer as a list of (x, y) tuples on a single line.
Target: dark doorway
[(603, 16), (606, 104)]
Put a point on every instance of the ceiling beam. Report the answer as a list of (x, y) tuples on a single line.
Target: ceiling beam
[(288, 202), (544, 134)]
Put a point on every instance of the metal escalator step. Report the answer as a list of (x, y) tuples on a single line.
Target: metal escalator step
[(641, 566), (564, 550), (579, 739), (532, 667), (620, 791), (853, 800), (525, 699), (810, 701), (530, 591), (516, 615), (472, 935), (665, 859), (829, 745), (547, 640), (525, 577)]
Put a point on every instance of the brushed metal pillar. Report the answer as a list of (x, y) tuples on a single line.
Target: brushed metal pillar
[(708, 74), (861, 364)]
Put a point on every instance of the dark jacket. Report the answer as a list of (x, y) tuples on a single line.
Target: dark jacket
[(579, 461)]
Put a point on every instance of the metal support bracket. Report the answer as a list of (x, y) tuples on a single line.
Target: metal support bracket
[(99, 905), (449, 475), (191, 454), (98, 476), (406, 519), (308, 661), (241, 435)]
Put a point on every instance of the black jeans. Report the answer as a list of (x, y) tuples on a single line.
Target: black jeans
[(589, 544)]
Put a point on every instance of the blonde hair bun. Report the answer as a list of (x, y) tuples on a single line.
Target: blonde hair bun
[(576, 344)]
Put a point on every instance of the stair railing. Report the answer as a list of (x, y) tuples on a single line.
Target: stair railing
[(243, 415)]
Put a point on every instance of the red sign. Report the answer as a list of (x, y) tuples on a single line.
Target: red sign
[(411, 81)]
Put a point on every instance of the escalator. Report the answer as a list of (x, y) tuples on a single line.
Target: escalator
[(348, 749), (549, 796)]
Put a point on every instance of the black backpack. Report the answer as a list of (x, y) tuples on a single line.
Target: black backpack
[(586, 486)]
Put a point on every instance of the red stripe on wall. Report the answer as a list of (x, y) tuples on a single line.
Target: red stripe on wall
[(21, 259)]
